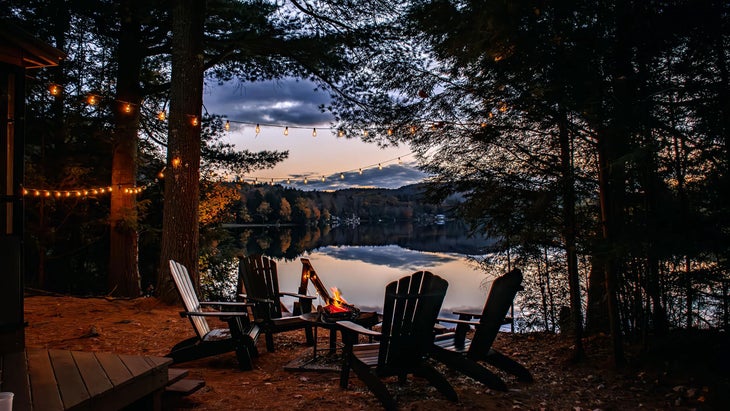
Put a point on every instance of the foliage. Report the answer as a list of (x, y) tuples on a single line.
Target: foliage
[(484, 92)]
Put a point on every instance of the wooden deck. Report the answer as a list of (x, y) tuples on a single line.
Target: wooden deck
[(56, 380)]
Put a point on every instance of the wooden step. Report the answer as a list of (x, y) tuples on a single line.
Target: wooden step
[(175, 374), (185, 386)]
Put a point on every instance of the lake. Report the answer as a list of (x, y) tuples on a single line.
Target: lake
[(361, 260)]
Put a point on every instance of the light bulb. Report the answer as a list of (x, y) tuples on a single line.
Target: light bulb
[(91, 99), (314, 132), (228, 125), (161, 115), (258, 129), (286, 131), (54, 89)]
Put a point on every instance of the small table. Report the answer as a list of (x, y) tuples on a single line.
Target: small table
[(331, 362)]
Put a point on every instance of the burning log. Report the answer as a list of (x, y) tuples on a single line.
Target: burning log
[(335, 308)]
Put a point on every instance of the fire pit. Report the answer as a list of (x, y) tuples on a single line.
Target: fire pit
[(338, 312), (335, 307)]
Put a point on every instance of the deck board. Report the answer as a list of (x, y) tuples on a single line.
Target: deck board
[(44, 388), (95, 379), (70, 384), (59, 380), (15, 379)]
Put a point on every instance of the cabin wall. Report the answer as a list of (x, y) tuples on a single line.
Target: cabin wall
[(12, 107)]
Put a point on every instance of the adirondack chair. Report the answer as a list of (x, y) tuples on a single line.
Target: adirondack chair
[(258, 283), (462, 354), (240, 336), (409, 314)]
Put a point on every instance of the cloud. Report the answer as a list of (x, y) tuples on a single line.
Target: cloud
[(286, 102), (390, 176), (390, 256)]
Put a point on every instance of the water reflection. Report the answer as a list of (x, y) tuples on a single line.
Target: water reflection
[(360, 261)]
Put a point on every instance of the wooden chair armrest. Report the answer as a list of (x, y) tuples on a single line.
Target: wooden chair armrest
[(213, 314), (349, 326), (256, 299), (456, 321), (469, 314), (311, 297), (226, 303)]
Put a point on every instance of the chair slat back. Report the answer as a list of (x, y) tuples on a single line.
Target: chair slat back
[(258, 278), (410, 309), (309, 274), (187, 295), (501, 294)]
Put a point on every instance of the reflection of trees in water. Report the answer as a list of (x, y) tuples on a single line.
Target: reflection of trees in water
[(291, 242)]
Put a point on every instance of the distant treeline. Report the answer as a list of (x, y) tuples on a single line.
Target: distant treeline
[(279, 204)]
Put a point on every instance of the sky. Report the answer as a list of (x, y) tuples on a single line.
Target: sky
[(291, 103)]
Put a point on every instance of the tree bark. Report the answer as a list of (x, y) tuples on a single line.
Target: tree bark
[(569, 234), (124, 279), (180, 240)]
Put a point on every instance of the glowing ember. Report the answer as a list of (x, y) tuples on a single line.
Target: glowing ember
[(338, 308)]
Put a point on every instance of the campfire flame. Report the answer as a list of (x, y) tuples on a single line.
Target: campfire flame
[(338, 300), (337, 304)]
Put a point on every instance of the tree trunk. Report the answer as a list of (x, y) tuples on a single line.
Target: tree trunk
[(569, 234), (124, 279), (180, 240), (597, 306)]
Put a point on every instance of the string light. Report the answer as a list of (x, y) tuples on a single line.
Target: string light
[(340, 133), (54, 89), (194, 120), (258, 129), (162, 115), (323, 177), (126, 107), (228, 125), (286, 131), (92, 100), (314, 132), (76, 192)]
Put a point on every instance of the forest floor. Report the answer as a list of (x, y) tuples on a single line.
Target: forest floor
[(682, 372)]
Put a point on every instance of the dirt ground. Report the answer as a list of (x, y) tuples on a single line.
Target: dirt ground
[(145, 326)]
